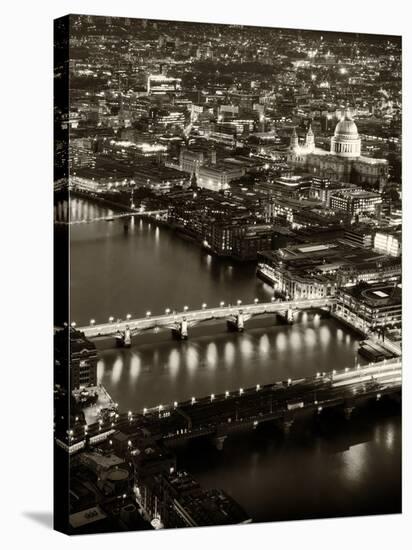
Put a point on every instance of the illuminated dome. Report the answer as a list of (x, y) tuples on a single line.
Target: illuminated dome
[(346, 141)]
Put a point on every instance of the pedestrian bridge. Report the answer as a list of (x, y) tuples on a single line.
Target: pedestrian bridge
[(180, 322), (154, 214)]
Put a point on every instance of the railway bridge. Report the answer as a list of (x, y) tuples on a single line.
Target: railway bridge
[(218, 416)]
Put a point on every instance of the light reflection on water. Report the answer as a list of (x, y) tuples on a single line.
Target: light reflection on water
[(109, 277), (212, 363), (148, 268)]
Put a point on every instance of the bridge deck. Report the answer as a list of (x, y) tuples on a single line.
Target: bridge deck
[(226, 412), (196, 316)]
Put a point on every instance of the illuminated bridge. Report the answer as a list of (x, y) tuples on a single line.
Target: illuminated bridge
[(179, 323), (155, 214), (218, 416)]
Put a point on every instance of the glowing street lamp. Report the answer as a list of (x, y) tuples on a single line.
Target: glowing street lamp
[(256, 300), (240, 391), (193, 400), (148, 313), (73, 324), (204, 306), (185, 308), (128, 316), (272, 299), (257, 387), (111, 319), (212, 397), (222, 304), (92, 322), (175, 404), (167, 311), (239, 302), (144, 411), (226, 394)]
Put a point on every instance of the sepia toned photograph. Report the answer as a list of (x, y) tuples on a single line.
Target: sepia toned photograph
[(227, 274)]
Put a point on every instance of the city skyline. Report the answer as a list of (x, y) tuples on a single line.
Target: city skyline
[(228, 273)]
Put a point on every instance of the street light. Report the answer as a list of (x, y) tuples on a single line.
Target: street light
[(185, 308), (212, 397), (256, 300), (148, 313), (175, 404), (111, 319), (272, 299), (226, 394), (73, 324), (92, 322), (240, 391), (193, 400), (144, 411), (128, 316), (204, 306), (167, 311), (222, 304), (239, 302), (257, 387)]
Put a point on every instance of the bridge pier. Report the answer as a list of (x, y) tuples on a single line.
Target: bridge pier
[(219, 441), (348, 410), (288, 316), (181, 331), (286, 425), (124, 339), (238, 323)]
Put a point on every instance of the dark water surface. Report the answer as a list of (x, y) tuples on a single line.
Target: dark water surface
[(336, 469)]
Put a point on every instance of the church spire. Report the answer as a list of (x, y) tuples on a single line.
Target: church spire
[(193, 181), (310, 139), (294, 140)]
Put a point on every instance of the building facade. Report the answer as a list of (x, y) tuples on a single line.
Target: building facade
[(344, 161)]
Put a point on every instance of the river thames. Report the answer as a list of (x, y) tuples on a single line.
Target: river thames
[(353, 468)]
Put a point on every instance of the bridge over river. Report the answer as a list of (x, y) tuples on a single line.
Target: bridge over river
[(217, 416), (180, 322)]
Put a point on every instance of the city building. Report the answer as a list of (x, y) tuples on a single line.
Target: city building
[(389, 242), (356, 201), (217, 177), (76, 358), (371, 306), (316, 270), (161, 84), (344, 161)]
